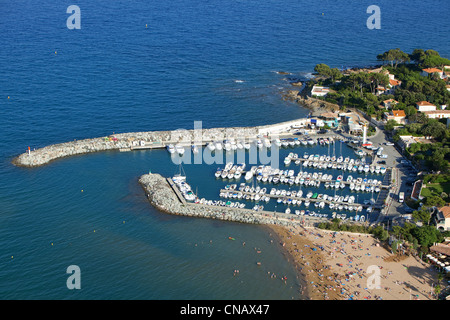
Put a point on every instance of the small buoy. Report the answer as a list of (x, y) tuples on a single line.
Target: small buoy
[(123, 221), (323, 13), (56, 52), (146, 25), (52, 243), (81, 190), (8, 97), (94, 230), (12, 257)]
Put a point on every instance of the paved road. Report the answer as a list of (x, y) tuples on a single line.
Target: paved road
[(402, 173)]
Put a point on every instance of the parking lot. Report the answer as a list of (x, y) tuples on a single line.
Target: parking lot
[(404, 176)]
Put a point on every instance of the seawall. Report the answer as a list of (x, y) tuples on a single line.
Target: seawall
[(145, 140), (161, 195)]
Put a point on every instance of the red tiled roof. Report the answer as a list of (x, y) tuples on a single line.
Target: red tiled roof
[(445, 211), (398, 113), (431, 70), (394, 82), (424, 103)]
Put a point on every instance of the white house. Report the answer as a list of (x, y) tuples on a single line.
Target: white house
[(319, 91), (443, 218), (437, 114), (389, 104), (398, 116), (393, 85), (426, 72), (425, 106)]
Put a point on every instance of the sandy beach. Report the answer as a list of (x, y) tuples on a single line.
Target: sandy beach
[(340, 266)]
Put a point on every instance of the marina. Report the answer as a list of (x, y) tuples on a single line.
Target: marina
[(330, 174), (312, 184)]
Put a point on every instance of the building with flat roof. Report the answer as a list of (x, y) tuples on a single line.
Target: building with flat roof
[(319, 91)]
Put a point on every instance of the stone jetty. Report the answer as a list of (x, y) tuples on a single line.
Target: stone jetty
[(161, 195), (145, 140)]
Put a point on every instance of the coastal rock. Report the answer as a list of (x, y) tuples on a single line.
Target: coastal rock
[(317, 106), (297, 83)]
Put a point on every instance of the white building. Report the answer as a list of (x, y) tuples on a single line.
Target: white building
[(426, 72), (443, 218), (437, 114), (425, 106), (319, 91)]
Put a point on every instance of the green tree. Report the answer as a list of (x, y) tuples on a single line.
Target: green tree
[(434, 201), (390, 125), (377, 79), (434, 128), (418, 55), (335, 74), (422, 215), (323, 69), (426, 235), (394, 56)]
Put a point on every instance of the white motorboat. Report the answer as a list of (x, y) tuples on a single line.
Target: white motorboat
[(179, 149), (194, 149), (227, 145), (211, 146), (170, 148), (218, 145), (277, 142)]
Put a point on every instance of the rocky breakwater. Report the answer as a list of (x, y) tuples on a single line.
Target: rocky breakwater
[(129, 141), (161, 196)]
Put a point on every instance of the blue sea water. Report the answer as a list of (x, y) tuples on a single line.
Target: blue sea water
[(117, 75)]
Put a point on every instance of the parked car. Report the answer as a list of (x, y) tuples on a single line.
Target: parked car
[(381, 162), (389, 143)]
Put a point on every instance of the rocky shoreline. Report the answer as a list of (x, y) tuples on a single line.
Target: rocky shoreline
[(316, 106)]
